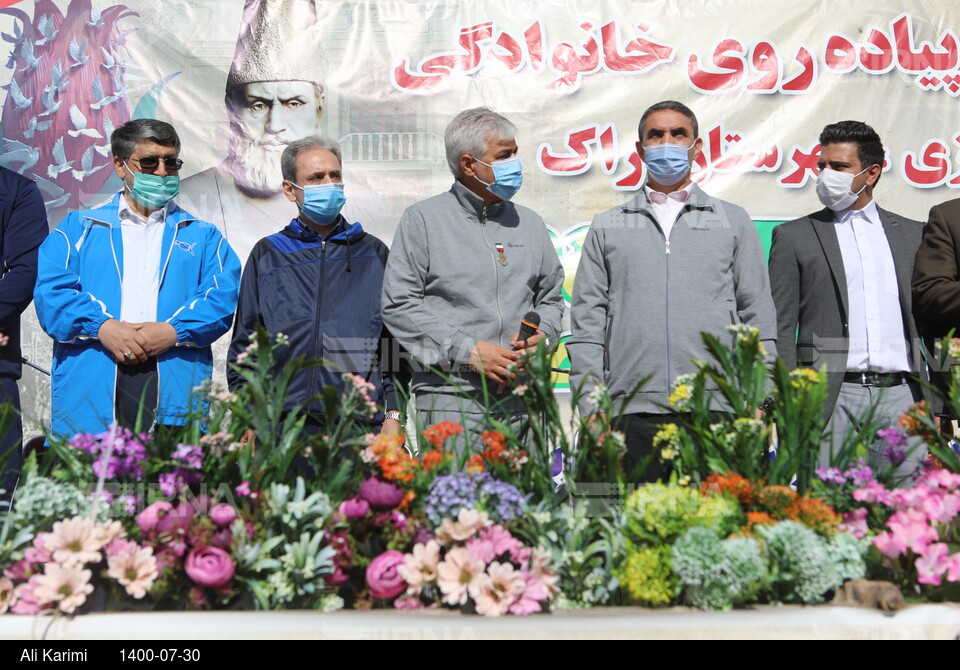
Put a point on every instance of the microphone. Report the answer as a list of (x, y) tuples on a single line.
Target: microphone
[(529, 325)]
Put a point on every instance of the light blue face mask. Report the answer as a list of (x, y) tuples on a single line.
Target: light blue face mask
[(667, 163), (153, 191), (322, 202), (507, 177)]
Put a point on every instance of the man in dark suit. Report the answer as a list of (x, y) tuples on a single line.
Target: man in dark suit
[(843, 275), (936, 285), (23, 226)]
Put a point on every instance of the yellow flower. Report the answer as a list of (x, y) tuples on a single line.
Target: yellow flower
[(804, 378), (668, 453), (680, 394), (666, 435)]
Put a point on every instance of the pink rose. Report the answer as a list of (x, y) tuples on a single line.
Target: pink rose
[(209, 566), (222, 539), (380, 494), (337, 578), (176, 520), (223, 514), (382, 576), (147, 519), (354, 508)]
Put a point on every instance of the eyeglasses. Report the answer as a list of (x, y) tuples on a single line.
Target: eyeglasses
[(153, 162)]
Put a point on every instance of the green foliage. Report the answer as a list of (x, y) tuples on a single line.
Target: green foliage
[(799, 563), (288, 567), (717, 574), (660, 513), (585, 551), (848, 554), (647, 576)]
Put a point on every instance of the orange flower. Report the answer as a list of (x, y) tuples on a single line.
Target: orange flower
[(394, 461), (912, 421), (731, 482), (475, 464), (813, 513), (408, 498), (432, 459), (496, 444), (775, 500), (755, 519), (438, 433)]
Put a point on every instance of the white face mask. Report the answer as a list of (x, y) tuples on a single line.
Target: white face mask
[(834, 189)]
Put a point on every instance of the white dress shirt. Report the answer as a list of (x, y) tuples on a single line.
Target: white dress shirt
[(875, 321), (666, 207), (142, 242)]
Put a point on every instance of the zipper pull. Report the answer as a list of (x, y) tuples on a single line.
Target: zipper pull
[(668, 247), (323, 246)]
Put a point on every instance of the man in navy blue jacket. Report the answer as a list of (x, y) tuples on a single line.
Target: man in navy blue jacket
[(23, 226), (318, 281)]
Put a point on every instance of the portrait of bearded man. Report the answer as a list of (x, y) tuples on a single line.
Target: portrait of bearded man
[(273, 97)]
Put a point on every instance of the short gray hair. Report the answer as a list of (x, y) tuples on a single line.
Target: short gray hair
[(468, 134), (288, 160), (673, 106), (123, 140)]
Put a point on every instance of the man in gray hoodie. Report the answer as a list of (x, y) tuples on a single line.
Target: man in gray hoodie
[(465, 267), (654, 273)]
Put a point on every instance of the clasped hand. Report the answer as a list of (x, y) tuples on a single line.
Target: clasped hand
[(133, 343)]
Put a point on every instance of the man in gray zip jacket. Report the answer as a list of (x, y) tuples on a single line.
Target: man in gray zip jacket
[(654, 273), (465, 267)]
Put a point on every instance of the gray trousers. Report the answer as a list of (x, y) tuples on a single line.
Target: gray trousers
[(891, 403)]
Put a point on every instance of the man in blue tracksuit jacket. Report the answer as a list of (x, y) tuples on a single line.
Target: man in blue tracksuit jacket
[(133, 294), (318, 281), (23, 226)]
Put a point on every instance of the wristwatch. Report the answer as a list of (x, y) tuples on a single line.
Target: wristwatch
[(391, 414)]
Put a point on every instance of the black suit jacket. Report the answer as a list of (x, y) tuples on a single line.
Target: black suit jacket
[(810, 291)]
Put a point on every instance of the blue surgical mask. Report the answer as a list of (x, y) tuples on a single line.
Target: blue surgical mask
[(153, 191), (322, 202), (507, 177), (667, 163)]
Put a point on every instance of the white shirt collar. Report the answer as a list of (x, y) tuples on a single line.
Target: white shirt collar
[(125, 212), (656, 197), (868, 212)]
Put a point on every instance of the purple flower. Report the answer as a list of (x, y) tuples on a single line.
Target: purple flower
[(831, 476), (894, 454), (127, 452), (380, 494), (172, 482), (189, 456), (861, 474), (893, 436), (480, 490)]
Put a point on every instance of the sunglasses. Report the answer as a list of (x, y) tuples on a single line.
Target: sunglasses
[(153, 162)]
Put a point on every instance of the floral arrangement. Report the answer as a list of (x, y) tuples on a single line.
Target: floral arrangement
[(732, 542), (472, 565), (59, 569), (244, 507)]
